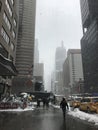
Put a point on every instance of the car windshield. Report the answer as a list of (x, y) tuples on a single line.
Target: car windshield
[(85, 100), (95, 100), (77, 99)]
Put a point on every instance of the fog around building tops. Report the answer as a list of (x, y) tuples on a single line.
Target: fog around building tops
[(57, 20)]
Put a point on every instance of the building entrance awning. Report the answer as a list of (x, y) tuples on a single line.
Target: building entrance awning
[(7, 67)]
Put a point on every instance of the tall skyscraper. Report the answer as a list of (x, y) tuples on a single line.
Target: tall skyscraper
[(60, 57), (39, 77), (89, 44), (25, 45), (38, 70), (73, 72), (8, 28), (26, 36), (8, 40)]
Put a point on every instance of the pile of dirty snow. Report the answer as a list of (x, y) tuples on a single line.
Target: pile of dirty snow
[(92, 118), (18, 109)]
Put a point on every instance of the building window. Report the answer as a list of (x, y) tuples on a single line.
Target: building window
[(3, 51), (8, 7), (15, 23), (6, 21), (0, 5), (13, 34), (4, 35), (12, 46), (12, 1)]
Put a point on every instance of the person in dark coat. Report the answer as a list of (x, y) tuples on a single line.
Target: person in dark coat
[(38, 102), (47, 102), (64, 106), (44, 102)]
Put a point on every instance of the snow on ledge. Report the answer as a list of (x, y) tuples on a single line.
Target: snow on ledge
[(92, 118)]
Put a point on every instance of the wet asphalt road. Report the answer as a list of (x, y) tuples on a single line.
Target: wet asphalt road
[(42, 119)]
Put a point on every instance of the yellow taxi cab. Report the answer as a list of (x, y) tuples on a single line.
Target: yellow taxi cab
[(75, 103), (89, 104)]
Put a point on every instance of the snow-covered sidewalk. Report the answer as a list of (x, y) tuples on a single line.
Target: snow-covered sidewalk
[(92, 118), (18, 110), (55, 106)]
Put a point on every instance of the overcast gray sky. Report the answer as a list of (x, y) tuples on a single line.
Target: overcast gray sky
[(57, 20)]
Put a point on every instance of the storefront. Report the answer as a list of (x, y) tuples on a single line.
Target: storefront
[(7, 69)]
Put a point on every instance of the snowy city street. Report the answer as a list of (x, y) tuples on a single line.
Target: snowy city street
[(47, 119), (48, 64)]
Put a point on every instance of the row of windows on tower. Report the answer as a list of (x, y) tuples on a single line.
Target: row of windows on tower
[(6, 38), (8, 24), (9, 7)]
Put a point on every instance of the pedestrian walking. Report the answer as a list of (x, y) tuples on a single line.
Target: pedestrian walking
[(64, 106), (44, 102), (47, 102), (38, 102)]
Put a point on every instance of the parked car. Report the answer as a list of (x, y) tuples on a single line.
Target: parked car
[(89, 104), (75, 102)]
